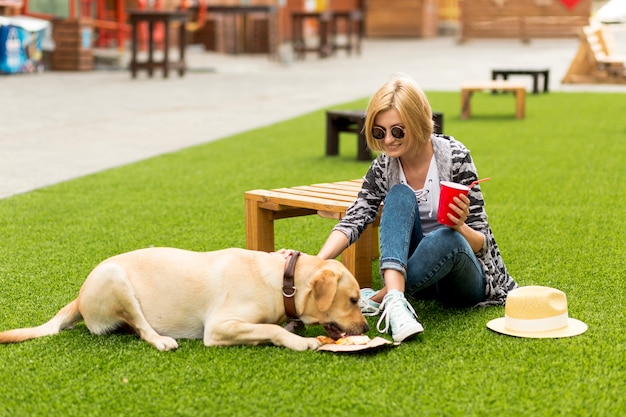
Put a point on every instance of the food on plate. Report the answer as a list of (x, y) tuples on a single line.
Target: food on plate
[(346, 340), (357, 343), (326, 340), (353, 340)]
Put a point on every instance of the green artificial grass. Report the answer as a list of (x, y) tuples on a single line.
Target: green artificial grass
[(555, 201)]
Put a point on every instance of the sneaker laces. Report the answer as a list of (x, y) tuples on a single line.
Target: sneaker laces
[(367, 309), (396, 307), (366, 304)]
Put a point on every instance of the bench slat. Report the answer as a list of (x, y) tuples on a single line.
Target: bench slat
[(330, 192), (302, 201), (493, 85)]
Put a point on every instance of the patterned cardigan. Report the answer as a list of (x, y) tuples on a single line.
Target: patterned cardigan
[(454, 164)]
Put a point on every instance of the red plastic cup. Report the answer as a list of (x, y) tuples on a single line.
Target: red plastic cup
[(449, 190)]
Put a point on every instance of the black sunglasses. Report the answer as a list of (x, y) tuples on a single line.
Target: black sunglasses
[(379, 133)]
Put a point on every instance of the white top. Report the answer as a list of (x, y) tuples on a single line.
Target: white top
[(427, 198)]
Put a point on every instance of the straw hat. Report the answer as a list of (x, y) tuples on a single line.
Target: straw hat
[(537, 312)]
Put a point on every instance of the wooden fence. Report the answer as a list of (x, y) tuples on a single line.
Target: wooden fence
[(523, 19)]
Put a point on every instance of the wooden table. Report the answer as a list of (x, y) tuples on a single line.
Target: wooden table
[(328, 200), (152, 17), (323, 21), (235, 23), (353, 23)]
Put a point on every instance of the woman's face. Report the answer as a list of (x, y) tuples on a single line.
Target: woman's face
[(387, 122)]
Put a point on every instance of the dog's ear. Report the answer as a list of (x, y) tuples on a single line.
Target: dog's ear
[(324, 285)]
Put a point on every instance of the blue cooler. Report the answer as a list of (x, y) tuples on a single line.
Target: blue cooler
[(20, 44)]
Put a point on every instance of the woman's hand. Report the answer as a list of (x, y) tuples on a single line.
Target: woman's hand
[(286, 253), (461, 208)]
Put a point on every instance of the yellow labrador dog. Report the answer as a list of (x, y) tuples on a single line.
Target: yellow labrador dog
[(225, 297)]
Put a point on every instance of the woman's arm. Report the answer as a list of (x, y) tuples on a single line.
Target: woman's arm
[(461, 207), (335, 244), (365, 208), (472, 219)]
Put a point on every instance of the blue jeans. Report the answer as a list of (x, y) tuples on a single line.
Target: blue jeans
[(440, 266)]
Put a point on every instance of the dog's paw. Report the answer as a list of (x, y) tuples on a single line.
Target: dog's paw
[(164, 343), (307, 343)]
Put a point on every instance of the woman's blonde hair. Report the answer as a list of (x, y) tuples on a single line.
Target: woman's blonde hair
[(402, 93)]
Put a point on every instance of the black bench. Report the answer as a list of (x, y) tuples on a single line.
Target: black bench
[(353, 121), (535, 73)]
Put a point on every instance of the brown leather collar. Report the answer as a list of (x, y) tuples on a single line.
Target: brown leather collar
[(289, 293), (289, 287)]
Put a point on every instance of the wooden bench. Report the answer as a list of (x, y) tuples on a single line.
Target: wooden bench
[(353, 121), (328, 200), (534, 73), (519, 90)]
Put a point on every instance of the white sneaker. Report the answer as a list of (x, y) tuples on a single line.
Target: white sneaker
[(368, 306), (398, 313)]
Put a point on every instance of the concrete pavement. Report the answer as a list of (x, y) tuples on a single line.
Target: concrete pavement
[(55, 126)]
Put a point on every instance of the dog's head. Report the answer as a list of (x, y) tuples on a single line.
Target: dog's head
[(332, 300)]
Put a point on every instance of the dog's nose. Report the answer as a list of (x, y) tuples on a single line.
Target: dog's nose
[(366, 328)]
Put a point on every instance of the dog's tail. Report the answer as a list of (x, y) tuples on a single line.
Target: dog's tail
[(66, 318)]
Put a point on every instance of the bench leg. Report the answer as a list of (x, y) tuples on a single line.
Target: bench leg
[(535, 83), (520, 103), (259, 227), (438, 122), (494, 77), (332, 136), (358, 258), (466, 97), (363, 152), (375, 244)]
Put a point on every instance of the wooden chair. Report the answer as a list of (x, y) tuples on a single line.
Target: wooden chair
[(596, 60)]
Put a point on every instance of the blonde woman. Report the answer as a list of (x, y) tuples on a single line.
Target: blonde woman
[(460, 264)]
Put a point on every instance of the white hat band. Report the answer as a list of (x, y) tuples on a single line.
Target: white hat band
[(536, 325)]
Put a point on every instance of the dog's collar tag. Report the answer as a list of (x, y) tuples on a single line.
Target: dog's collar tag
[(289, 287)]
